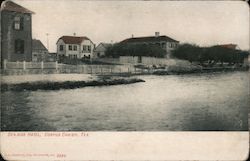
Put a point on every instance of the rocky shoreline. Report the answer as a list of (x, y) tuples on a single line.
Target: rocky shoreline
[(33, 86), (198, 71)]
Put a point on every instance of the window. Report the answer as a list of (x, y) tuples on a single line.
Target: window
[(18, 23), (61, 48), (75, 47), (84, 48), (163, 45), (19, 46), (70, 47), (89, 48)]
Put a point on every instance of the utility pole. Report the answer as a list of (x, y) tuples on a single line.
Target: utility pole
[(47, 34)]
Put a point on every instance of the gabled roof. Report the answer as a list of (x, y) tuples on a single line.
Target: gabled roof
[(148, 39), (11, 6), (38, 45), (73, 39), (229, 46), (102, 46), (106, 45)]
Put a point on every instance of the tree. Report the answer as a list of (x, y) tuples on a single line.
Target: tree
[(211, 55), (126, 49), (188, 52)]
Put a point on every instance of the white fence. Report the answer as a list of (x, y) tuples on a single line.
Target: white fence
[(29, 65), (54, 67), (152, 61), (96, 69), (129, 59)]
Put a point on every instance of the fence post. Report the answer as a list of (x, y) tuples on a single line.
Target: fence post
[(56, 65), (42, 65), (4, 64), (24, 65)]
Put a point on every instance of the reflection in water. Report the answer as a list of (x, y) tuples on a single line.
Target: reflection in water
[(163, 103)]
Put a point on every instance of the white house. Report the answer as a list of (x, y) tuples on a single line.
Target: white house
[(75, 47), (101, 49)]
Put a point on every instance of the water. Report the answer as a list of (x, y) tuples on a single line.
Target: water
[(163, 103)]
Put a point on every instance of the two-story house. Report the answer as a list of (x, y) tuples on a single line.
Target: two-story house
[(75, 47), (166, 43), (16, 32)]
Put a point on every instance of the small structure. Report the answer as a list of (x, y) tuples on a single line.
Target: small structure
[(16, 29), (74, 47), (100, 50), (51, 57), (228, 46), (166, 43), (39, 51)]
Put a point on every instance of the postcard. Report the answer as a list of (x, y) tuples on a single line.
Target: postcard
[(124, 80)]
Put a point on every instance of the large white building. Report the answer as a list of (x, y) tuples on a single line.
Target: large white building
[(75, 47), (166, 43)]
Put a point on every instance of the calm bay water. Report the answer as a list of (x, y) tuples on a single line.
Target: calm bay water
[(163, 103)]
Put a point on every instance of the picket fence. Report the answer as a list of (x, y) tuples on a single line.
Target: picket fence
[(29, 65), (55, 67)]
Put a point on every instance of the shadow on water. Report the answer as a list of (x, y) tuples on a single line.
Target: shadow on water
[(201, 119), (17, 115)]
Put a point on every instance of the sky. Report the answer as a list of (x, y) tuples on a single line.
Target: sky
[(198, 22)]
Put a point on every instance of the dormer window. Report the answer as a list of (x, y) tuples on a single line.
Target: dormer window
[(18, 23)]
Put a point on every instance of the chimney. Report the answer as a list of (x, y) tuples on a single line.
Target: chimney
[(74, 34), (132, 36), (157, 34)]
